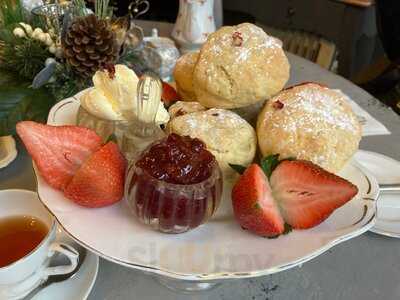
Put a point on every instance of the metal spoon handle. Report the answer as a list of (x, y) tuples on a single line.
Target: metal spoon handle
[(37, 289), (389, 188), (59, 278)]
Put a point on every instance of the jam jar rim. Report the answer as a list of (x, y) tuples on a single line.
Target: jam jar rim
[(216, 173)]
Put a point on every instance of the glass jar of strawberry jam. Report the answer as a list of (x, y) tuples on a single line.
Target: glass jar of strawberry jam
[(175, 185)]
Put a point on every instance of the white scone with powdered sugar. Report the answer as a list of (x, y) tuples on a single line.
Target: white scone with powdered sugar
[(229, 137), (238, 66), (311, 122), (183, 75), (181, 108)]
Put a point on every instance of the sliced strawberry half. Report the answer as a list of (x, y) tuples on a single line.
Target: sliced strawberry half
[(58, 151), (307, 194), (169, 95), (253, 204), (100, 180)]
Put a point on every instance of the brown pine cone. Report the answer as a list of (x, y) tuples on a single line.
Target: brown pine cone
[(89, 44)]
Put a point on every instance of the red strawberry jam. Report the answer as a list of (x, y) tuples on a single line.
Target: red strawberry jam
[(175, 185)]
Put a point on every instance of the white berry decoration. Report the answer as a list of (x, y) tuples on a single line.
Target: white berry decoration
[(27, 27), (19, 32), (52, 49), (36, 33), (42, 37), (59, 52), (48, 40)]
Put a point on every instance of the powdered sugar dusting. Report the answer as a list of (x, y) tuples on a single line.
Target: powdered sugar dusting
[(316, 107), (315, 123), (223, 118), (253, 38)]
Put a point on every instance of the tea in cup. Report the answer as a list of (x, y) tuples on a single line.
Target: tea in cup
[(27, 244)]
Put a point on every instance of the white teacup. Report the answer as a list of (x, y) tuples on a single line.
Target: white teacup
[(25, 274)]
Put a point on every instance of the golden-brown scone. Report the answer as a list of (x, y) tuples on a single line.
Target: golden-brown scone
[(229, 137), (310, 122), (183, 74), (181, 108), (238, 66)]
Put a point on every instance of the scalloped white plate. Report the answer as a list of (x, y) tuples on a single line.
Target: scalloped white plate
[(217, 250)]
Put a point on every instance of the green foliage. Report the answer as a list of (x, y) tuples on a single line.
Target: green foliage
[(79, 7), (11, 13), (9, 79), (25, 57), (102, 9), (21, 59), (66, 83), (36, 21), (6, 36), (18, 102)]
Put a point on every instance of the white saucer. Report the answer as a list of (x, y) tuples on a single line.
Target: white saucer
[(79, 286), (387, 171)]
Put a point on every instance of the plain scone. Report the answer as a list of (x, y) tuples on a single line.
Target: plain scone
[(229, 137), (310, 122), (238, 66), (183, 75)]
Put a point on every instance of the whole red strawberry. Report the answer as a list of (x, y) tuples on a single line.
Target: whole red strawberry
[(100, 180), (58, 151), (254, 207)]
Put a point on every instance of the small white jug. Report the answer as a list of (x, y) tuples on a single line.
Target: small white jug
[(194, 23)]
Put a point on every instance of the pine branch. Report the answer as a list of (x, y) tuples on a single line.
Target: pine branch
[(79, 7), (102, 9), (66, 83), (25, 57), (11, 12)]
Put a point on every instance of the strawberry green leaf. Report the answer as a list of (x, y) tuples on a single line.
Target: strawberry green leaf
[(238, 168), (288, 229), (291, 158), (111, 138), (273, 237), (257, 206), (269, 163)]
